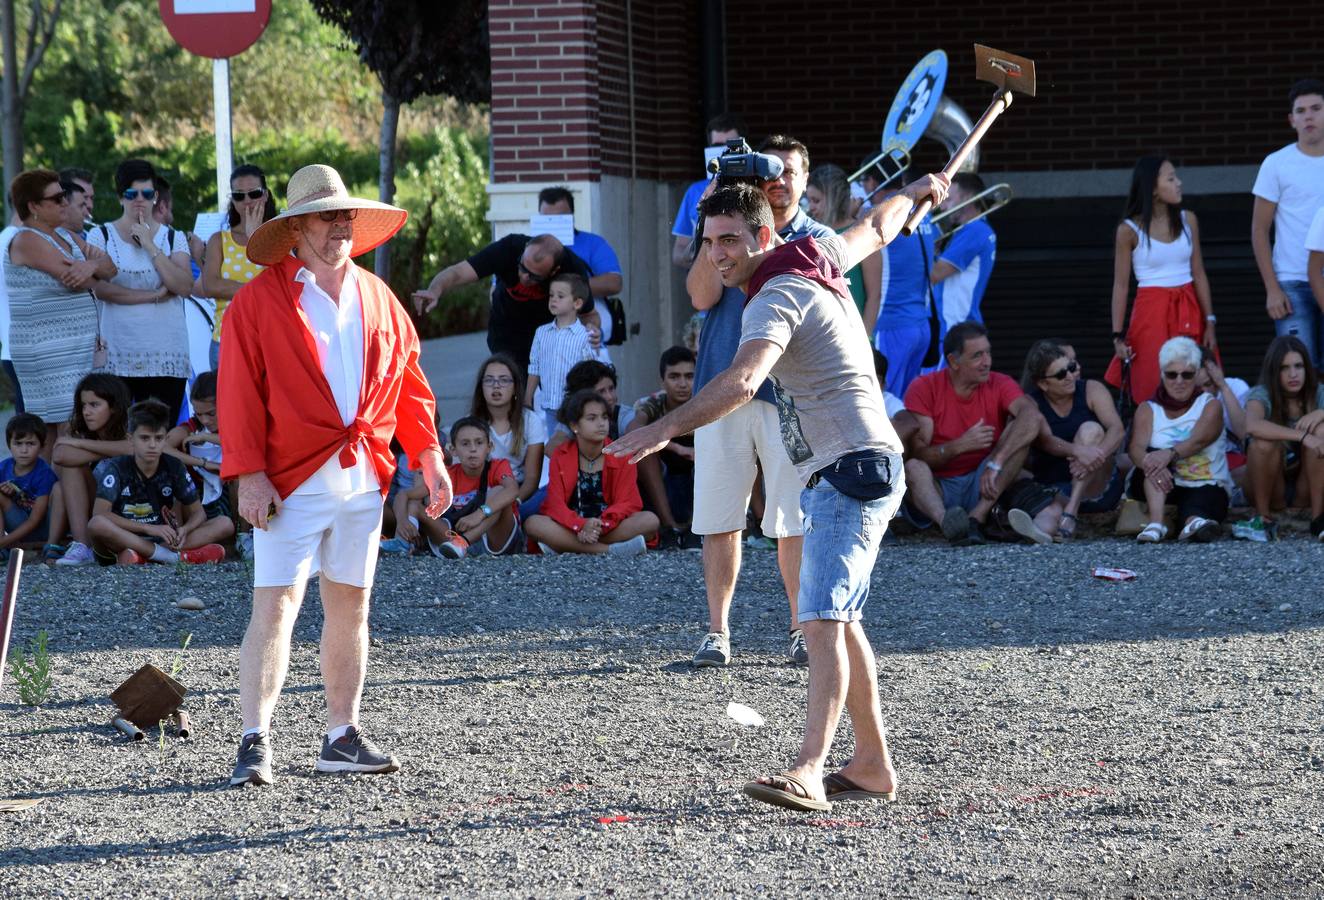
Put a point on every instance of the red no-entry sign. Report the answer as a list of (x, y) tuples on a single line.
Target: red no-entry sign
[(216, 28)]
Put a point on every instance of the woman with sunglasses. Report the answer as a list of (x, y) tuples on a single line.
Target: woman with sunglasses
[(1076, 452), (142, 318), (1177, 448), (53, 321), (1160, 242), (227, 267)]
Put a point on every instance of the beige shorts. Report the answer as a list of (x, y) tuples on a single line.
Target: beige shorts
[(725, 453), (335, 534)]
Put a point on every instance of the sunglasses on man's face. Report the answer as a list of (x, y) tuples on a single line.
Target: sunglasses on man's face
[(1070, 368), (332, 215), (247, 195), (145, 193), (540, 280), (1187, 375)]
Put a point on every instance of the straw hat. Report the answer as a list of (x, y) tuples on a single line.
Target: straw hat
[(315, 189)]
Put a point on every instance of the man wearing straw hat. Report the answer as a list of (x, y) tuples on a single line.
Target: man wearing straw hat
[(318, 369)]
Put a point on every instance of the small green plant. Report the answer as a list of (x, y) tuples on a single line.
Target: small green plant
[(185, 637), (31, 670)]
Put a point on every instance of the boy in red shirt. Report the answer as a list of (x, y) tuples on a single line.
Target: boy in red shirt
[(483, 517), (975, 429)]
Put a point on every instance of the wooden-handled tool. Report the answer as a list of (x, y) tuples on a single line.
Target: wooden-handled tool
[(1010, 73)]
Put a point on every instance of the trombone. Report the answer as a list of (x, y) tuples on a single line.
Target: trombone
[(986, 201), (889, 166)]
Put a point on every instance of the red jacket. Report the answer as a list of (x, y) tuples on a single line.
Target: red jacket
[(276, 411), (620, 490)]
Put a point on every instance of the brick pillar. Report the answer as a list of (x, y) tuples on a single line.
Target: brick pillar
[(544, 91)]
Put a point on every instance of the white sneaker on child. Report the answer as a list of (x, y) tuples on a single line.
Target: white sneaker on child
[(78, 554), (633, 547)]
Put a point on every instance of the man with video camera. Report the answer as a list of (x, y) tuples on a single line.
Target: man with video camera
[(728, 452)]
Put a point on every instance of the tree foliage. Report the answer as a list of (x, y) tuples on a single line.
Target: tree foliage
[(419, 47)]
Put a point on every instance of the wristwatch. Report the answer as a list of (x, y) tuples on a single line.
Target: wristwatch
[(487, 510)]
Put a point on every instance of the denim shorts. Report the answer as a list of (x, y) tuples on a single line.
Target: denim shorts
[(841, 540), (1305, 321)]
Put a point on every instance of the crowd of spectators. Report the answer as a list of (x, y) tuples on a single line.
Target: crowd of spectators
[(114, 454)]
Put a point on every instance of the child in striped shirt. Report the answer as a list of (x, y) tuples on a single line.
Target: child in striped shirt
[(558, 345)]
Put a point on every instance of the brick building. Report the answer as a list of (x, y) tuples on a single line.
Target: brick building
[(610, 97)]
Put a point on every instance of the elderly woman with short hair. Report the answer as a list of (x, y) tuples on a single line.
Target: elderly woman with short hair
[(1177, 448), (53, 320)]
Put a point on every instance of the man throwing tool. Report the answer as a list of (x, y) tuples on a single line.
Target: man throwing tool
[(801, 328), (318, 369)]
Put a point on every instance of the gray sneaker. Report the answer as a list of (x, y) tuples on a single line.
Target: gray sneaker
[(354, 753), (799, 651), (254, 764), (714, 651)]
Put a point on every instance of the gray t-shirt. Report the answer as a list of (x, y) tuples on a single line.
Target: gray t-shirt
[(827, 394), (1261, 393)]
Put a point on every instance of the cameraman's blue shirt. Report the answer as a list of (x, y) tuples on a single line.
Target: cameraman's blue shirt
[(720, 337), (687, 217)]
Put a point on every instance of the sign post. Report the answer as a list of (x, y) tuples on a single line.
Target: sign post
[(217, 29)]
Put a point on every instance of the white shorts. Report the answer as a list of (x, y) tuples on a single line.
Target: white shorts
[(725, 453), (335, 534)]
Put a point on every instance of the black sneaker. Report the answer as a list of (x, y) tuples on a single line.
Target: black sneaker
[(974, 536), (354, 753), (668, 538), (798, 651), (1317, 528), (955, 525), (254, 765)]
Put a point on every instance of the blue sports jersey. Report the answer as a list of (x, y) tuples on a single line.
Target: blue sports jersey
[(972, 251), (905, 290), (720, 338), (687, 217)]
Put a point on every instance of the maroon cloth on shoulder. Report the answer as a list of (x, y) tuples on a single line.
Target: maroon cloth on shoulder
[(801, 257), (1174, 406)]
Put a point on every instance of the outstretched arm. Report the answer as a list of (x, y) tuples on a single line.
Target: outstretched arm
[(733, 387), (884, 222), (447, 279)]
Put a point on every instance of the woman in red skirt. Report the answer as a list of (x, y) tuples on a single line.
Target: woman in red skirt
[(1160, 242)]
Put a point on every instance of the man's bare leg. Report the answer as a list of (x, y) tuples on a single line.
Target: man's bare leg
[(264, 656), (871, 765), (829, 671), (344, 650), (789, 550), (721, 565)]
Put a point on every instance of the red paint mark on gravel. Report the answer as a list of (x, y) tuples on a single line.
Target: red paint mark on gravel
[(610, 820)]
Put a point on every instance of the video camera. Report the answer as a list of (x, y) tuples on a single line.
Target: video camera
[(739, 163)]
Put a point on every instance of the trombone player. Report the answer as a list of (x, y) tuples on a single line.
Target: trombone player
[(965, 262)]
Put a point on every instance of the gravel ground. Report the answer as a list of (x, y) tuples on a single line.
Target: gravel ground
[(1056, 735)]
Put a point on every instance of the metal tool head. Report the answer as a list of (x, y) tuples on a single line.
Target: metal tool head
[(1007, 70)]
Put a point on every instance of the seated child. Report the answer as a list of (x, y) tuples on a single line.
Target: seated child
[(518, 434), (197, 444), (483, 517), (395, 509), (26, 482), (591, 375), (557, 346), (593, 503), (667, 478), (96, 432), (134, 519)]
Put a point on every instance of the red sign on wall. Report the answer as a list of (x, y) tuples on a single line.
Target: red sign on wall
[(216, 28)]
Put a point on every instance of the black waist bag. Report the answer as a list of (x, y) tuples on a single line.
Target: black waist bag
[(864, 475)]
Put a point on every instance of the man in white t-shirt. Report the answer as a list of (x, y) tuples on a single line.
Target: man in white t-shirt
[(1288, 191)]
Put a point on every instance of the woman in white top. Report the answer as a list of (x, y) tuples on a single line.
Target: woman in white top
[(1160, 242), (518, 434), (1177, 448), (142, 318)]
